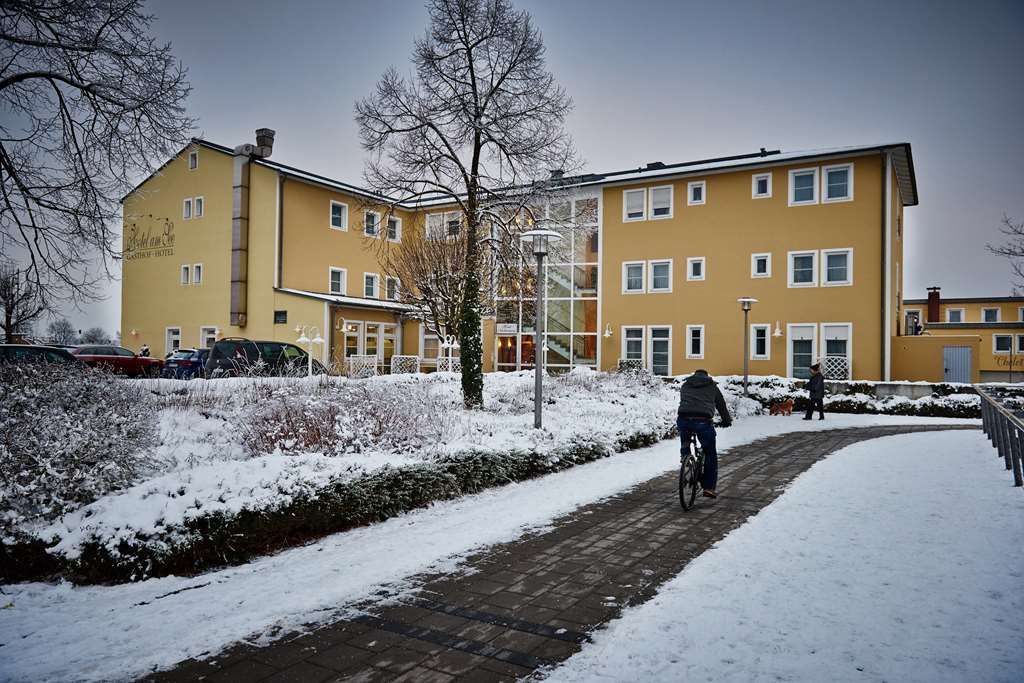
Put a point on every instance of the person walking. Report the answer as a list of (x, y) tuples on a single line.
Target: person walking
[(816, 391), (699, 398)]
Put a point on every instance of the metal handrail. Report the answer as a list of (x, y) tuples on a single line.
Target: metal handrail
[(1005, 429)]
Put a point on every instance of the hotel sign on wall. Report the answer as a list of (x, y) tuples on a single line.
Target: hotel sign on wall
[(152, 240)]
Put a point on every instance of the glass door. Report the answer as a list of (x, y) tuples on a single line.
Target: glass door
[(388, 344), (508, 349), (353, 334), (801, 350)]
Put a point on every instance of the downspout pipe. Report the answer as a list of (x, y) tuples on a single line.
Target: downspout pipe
[(885, 260), (240, 236)]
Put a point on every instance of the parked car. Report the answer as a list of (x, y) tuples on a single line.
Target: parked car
[(186, 364), (27, 353), (118, 359), (235, 356)]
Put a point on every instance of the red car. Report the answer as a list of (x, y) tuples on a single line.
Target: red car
[(118, 360)]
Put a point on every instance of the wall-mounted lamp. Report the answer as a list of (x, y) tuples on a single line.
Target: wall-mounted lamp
[(134, 332), (608, 331), (778, 330)]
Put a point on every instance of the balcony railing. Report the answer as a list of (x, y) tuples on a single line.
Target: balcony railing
[(1005, 429)]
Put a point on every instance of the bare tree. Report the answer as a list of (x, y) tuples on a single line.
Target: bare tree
[(61, 331), (95, 335), (92, 103), (1012, 249), (480, 114), (20, 299)]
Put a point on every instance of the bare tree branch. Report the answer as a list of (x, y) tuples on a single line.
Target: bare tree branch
[(1012, 249)]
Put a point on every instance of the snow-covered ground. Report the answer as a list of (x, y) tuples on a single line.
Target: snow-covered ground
[(62, 632), (899, 559)]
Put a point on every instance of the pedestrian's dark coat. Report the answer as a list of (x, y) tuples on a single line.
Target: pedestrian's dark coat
[(816, 386)]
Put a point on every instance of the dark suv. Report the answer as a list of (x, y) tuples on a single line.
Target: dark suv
[(237, 356)]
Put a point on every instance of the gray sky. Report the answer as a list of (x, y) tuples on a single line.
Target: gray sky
[(666, 81)]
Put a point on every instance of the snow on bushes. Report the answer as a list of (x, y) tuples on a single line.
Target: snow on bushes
[(68, 435)]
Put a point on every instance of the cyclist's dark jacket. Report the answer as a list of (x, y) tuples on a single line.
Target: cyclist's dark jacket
[(700, 397)]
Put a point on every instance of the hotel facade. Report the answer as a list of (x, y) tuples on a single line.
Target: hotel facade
[(227, 242)]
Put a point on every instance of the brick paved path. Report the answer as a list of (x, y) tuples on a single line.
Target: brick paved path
[(530, 603)]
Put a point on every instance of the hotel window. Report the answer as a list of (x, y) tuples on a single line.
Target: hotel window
[(207, 337), (197, 274), (185, 275), (336, 283), (661, 351), (837, 267), (759, 342), (430, 346), (193, 160), (371, 224), (661, 276), (696, 268), (172, 339), (760, 265), (199, 207), (1001, 343), (802, 347), (990, 315), (838, 183), (633, 277), (695, 341), (453, 225), (1020, 314), (696, 193), (339, 215), (633, 343), (661, 202), (186, 209), (371, 285), (633, 205), (1020, 343), (395, 229), (954, 315), (761, 185), (802, 268), (280, 317), (803, 186), (391, 289)]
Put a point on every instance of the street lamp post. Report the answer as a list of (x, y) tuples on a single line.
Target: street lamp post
[(541, 240), (746, 303), (305, 332)]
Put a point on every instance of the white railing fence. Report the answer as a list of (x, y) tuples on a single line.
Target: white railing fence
[(404, 365), (361, 367)]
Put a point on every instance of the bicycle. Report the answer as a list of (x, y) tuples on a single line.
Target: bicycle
[(691, 469)]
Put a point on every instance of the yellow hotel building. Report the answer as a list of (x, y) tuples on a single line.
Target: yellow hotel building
[(227, 242)]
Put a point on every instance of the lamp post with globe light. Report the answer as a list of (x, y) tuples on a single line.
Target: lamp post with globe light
[(541, 240), (746, 303), (309, 335)]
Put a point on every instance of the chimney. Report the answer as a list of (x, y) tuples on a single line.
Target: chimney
[(264, 142), (655, 165), (933, 304)]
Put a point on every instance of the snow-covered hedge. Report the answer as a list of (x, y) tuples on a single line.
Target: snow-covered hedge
[(271, 463), (68, 435), (946, 400)]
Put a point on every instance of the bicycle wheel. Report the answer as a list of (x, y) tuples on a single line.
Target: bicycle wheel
[(688, 477)]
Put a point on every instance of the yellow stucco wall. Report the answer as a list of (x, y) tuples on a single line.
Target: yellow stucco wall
[(727, 231)]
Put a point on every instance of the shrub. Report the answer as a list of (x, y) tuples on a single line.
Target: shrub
[(68, 435)]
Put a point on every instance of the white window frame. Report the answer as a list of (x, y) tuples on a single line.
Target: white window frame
[(823, 263), (767, 355), (344, 216), (375, 235), (212, 329), (625, 195), (753, 265), (703, 268), (1018, 341), (789, 344), (997, 309), (193, 160), (649, 348), (168, 347), (198, 206), (398, 229), (703, 184), (197, 268), (398, 285), (753, 185), (1020, 314), (824, 183), (671, 202), (995, 350), (643, 342), (344, 280), (689, 339), (789, 269), (824, 343), (186, 209), (185, 274), (963, 315), (814, 186), (376, 286), (650, 276), (643, 277)]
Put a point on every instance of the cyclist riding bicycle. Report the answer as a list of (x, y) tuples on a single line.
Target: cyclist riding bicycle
[(699, 397)]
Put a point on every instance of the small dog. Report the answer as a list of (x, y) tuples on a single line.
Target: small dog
[(781, 408)]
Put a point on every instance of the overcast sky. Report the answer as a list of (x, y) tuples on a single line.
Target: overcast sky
[(666, 81)]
